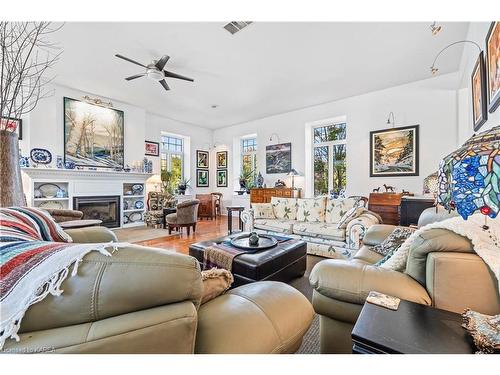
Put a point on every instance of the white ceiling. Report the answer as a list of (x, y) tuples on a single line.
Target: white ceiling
[(265, 69)]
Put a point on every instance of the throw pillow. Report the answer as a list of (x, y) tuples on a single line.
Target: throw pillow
[(392, 243), (350, 215), (30, 224), (215, 282), (284, 208), (311, 210), (263, 211), (336, 208)]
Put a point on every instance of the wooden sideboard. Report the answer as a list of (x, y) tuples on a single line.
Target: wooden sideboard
[(387, 205), (412, 207), (264, 195)]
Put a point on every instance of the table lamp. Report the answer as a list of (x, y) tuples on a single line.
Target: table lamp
[(293, 173), (155, 180), (469, 178), (431, 184)]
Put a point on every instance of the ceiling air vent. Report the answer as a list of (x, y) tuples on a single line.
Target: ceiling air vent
[(234, 26)]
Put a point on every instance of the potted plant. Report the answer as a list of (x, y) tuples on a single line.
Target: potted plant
[(246, 181), (183, 185), (27, 55)]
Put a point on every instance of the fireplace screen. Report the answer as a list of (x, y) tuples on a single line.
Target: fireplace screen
[(105, 208)]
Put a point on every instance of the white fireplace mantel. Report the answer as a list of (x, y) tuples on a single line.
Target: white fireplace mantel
[(78, 174)]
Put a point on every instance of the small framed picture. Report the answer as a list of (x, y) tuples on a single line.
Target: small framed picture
[(221, 159), (493, 66), (222, 178), (151, 148), (202, 178), (12, 124), (201, 159), (478, 87)]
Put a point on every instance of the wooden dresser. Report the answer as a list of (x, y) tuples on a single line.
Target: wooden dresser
[(387, 205), (263, 195)]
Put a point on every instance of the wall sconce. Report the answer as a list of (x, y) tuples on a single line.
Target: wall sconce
[(435, 29), (393, 122), (433, 68), (274, 135)]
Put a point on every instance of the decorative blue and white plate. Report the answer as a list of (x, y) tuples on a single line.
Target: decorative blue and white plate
[(41, 156), (139, 204), (137, 189)]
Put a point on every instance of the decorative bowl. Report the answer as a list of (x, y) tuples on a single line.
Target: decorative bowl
[(41, 156)]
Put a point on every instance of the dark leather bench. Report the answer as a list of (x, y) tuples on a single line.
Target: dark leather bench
[(284, 262)]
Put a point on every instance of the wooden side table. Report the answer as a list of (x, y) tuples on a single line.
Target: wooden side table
[(230, 210), (412, 329)]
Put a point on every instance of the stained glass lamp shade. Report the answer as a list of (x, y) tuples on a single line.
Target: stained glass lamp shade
[(469, 178)]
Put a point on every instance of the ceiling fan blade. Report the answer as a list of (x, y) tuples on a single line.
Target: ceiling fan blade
[(136, 76), (160, 64), (130, 60), (178, 76), (164, 84)]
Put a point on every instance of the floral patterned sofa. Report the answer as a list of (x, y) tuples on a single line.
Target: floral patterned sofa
[(332, 228)]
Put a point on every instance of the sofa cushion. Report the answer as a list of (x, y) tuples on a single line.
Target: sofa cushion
[(284, 208), (319, 230), (392, 243), (336, 208), (274, 225), (311, 210), (263, 211), (350, 215)]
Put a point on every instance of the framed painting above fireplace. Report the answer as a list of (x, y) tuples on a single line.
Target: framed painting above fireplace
[(93, 135)]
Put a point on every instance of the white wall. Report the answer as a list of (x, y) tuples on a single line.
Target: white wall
[(431, 103), (43, 127), (477, 33)]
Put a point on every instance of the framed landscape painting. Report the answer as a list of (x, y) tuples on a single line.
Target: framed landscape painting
[(222, 159), (478, 85), (493, 66), (202, 178), (222, 178), (279, 158), (93, 135), (394, 152), (201, 159)]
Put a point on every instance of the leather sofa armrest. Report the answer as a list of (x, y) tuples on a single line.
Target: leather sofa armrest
[(134, 278), (351, 282), (457, 281), (91, 235), (377, 233)]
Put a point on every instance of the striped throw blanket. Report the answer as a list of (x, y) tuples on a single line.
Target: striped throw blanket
[(36, 256)]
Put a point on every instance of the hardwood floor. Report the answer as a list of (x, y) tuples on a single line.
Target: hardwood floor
[(205, 230)]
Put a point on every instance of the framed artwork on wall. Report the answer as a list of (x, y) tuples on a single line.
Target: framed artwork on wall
[(222, 178), (202, 178), (202, 159), (493, 66), (394, 152), (12, 124), (478, 88), (93, 135), (279, 158), (221, 159), (151, 148)]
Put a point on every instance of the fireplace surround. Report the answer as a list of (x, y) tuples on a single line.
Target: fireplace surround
[(105, 208)]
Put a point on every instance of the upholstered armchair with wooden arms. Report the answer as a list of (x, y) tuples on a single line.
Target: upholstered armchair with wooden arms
[(60, 215), (186, 216)]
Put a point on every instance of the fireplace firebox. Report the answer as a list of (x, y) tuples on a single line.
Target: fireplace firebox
[(105, 208)]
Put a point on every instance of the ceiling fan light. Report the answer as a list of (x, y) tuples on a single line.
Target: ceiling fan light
[(155, 74)]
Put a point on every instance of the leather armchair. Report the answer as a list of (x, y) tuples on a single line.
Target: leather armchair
[(442, 271), (146, 300)]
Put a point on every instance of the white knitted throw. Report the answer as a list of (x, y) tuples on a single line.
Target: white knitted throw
[(482, 240)]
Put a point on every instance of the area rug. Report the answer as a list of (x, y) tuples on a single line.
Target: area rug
[(310, 342), (139, 234)]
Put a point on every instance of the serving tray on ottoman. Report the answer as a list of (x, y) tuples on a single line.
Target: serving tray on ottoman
[(284, 262)]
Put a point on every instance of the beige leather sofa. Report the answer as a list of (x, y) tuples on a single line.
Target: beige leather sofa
[(442, 271), (145, 300)]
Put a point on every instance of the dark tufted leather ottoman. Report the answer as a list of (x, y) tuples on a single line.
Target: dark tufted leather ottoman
[(284, 262)]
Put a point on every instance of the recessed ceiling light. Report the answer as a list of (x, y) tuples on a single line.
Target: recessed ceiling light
[(214, 105)]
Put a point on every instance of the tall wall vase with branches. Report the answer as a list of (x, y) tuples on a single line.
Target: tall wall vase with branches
[(26, 59)]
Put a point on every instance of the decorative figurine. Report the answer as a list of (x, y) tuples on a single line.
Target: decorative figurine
[(279, 184), (377, 190), (260, 180), (388, 188), (59, 162), (253, 240)]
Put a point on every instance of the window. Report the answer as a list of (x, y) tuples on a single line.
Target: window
[(172, 157), (249, 161), (329, 158)]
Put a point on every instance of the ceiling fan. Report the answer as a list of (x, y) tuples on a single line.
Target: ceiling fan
[(154, 71)]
